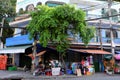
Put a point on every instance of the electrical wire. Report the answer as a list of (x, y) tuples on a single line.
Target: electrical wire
[(103, 17), (13, 27), (98, 5), (85, 20)]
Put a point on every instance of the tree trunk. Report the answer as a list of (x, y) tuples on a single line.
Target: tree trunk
[(61, 59), (34, 55), (1, 43), (64, 66)]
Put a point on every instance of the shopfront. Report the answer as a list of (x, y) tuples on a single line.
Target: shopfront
[(93, 57), (15, 47)]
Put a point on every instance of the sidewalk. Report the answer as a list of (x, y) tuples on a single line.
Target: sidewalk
[(27, 75), (4, 75)]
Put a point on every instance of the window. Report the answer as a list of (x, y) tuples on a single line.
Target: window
[(54, 3), (23, 32), (108, 33), (115, 35), (105, 13), (39, 3), (30, 7), (21, 11)]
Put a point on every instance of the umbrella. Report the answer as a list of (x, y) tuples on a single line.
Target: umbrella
[(117, 56)]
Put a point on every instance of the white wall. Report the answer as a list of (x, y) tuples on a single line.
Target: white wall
[(23, 3)]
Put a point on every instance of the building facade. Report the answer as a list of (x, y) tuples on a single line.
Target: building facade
[(92, 11), (28, 5)]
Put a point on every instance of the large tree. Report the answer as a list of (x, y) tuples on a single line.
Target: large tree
[(7, 11), (52, 24), (117, 0), (7, 7)]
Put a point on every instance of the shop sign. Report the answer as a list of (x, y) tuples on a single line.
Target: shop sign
[(18, 40), (56, 71)]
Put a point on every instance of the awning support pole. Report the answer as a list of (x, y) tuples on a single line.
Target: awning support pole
[(13, 59), (111, 31)]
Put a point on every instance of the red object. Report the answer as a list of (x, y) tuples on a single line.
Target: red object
[(116, 70), (48, 73), (82, 62), (3, 62)]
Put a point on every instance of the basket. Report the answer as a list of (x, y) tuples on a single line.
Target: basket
[(13, 68)]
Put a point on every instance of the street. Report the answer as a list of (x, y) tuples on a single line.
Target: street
[(97, 76), (20, 75)]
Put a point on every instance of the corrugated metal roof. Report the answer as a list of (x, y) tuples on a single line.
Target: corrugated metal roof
[(91, 51), (15, 49)]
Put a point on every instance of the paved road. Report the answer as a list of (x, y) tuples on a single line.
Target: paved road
[(97, 76), (4, 75)]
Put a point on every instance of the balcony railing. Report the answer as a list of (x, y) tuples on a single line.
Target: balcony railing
[(77, 39)]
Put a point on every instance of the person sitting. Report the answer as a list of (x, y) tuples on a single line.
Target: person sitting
[(41, 66), (40, 69)]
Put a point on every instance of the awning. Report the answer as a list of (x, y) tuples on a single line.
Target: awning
[(38, 54), (11, 50), (91, 51)]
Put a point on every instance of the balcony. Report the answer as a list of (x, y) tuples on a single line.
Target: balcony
[(96, 41)]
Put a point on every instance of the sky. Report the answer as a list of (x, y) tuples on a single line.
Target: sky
[(19, 0)]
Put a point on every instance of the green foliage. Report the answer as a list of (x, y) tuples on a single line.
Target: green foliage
[(87, 34), (7, 7), (7, 32), (52, 24), (21, 11), (117, 0)]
